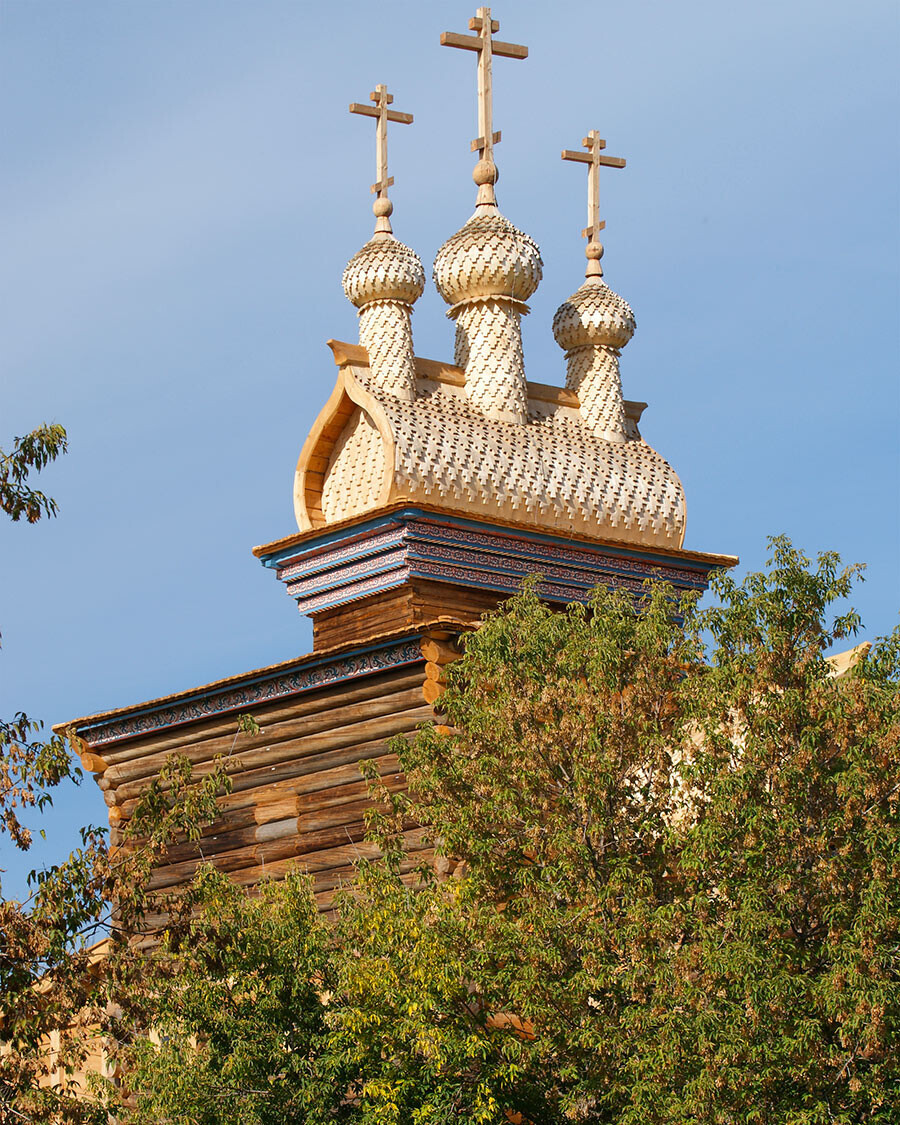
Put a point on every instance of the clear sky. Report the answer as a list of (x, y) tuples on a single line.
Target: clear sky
[(181, 185)]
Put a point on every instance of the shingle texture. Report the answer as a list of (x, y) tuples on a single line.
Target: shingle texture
[(551, 473)]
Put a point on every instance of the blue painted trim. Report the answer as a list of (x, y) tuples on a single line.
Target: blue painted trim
[(420, 515), (264, 686)]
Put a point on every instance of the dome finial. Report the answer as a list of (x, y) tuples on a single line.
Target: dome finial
[(485, 173), (385, 278), (382, 99), (594, 158), (595, 323)]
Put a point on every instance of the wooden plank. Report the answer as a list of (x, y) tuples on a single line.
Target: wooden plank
[(346, 354), (266, 713), (263, 747), (560, 396), (306, 755), (440, 372), (314, 782)]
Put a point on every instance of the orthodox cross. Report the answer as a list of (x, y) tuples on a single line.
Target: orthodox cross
[(486, 46), (382, 114), (594, 159)]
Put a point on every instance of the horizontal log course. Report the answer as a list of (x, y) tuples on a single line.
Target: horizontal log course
[(306, 842), (318, 820), (334, 782), (389, 776), (304, 785), (229, 837), (329, 861), (351, 755), (246, 866), (329, 879), (225, 728), (265, 745), (237, 855), (439, 652), (267, 811), (296, 756), (432, 691)]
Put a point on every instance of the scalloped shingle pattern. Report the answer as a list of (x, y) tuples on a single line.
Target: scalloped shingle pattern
[(355, 469), (553, 472), (385, 331), (384, 269), (593, 374), (487, 257), (594, 314), (591, 326), (489, 349), (383, 280)]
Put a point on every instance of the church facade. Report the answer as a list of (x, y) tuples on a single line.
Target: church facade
[(425, 493)]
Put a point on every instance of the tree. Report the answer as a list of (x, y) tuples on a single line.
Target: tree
[(230, 1023), (29, 767), (665, 889), (54, 997), (676, 893)]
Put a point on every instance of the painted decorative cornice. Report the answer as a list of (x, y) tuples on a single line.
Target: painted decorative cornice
[(265, 685), (336, 567), (369, 449)]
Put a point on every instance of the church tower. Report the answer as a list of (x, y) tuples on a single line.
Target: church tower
[(425, 493)]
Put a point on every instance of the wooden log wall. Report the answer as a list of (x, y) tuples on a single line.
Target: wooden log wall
[(298, 795), (418, 604)]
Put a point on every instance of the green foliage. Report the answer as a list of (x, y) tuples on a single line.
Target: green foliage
[(29, 767), (55, 986), (29, 454), (676, 872), (664, 888), (237, 996)]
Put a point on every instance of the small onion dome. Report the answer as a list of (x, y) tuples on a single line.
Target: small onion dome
[(384, 270), (593, 315), (487, 257)]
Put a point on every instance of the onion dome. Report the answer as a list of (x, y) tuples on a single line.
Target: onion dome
[(488, 256), (385, 269), (593, 315)]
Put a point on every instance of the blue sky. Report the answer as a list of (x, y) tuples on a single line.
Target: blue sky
[(181, 185)]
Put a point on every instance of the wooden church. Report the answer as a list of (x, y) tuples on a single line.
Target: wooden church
[(424, 494)]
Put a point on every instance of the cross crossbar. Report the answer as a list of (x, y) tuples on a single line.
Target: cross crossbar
[(486, 47), (382, 115), (595, 160), (475, 43), (374, 111)]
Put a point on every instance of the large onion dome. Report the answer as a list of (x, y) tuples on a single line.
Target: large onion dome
[(487, 257)]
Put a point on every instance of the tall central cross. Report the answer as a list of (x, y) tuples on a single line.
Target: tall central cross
[(486, 46), (594, 159), (382, 115)]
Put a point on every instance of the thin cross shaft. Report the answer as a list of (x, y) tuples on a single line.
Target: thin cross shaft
[(486, 47), (594, 159), (382, 114), (381, 155), (485, 88)]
